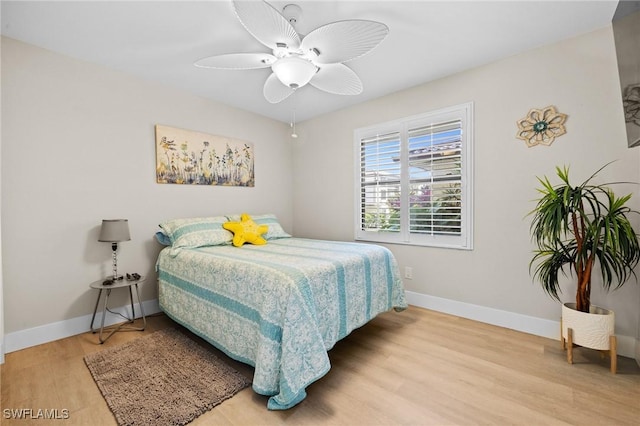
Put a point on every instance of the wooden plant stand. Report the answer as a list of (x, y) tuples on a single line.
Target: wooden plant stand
[(567, 344)]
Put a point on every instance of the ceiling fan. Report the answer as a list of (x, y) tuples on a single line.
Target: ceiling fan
[(317, 58)]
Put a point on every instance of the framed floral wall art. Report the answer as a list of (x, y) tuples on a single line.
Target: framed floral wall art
[(193, 158)]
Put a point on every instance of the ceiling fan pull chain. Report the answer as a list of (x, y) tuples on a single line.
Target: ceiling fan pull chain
[(293, 122)]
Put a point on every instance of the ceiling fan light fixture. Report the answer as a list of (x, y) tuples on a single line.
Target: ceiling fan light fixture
[(316, 58), (294, 71)]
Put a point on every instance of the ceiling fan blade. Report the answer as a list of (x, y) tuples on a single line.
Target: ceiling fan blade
[(237, 61), (266, 24), (274, 91), (343, 40), (338, 79)]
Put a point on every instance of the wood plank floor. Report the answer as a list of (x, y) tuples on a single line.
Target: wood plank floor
[(417, 367)]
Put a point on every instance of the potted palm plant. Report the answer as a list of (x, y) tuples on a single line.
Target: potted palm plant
[(575, 228)]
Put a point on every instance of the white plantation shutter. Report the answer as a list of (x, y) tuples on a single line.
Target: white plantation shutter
[(379, 182), (435, 161), (414, 180)]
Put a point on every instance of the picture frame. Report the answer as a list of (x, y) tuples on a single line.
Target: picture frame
[(187, 157)]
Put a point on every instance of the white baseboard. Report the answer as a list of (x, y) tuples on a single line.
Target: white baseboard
[(627, 346), (525, 323), (59, 330)]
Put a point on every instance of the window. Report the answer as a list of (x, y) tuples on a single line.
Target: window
[(413, 183)]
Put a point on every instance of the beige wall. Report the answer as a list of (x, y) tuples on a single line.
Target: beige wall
[(580, 78), (2, 350), (78, 146)]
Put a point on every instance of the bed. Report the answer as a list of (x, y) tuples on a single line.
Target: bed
[(279, 306)]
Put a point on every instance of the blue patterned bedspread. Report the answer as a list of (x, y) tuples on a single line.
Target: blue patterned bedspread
[(279, 307)]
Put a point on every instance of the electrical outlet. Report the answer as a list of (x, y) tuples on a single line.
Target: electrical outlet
[(408, 272)]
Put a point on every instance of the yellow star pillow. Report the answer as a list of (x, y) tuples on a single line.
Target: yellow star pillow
[(246, 231)]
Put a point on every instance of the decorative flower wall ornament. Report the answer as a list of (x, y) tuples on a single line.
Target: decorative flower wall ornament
[(541, 127), (631, 104)]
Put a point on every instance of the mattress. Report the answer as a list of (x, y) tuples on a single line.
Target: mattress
[(281, 306)]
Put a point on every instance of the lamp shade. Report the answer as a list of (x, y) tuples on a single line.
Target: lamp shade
[(114, 231), (293, 71)]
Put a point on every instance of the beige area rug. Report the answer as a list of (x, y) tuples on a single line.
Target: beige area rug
[(164, 378)]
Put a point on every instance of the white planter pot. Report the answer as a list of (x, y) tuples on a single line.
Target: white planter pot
[(591, 330)]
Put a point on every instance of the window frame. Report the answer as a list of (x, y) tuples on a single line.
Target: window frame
[(402, 126)]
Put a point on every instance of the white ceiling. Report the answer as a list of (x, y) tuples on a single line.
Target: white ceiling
[(160, 40)]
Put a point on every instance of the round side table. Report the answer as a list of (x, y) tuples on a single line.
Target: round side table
[(107, 288)]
